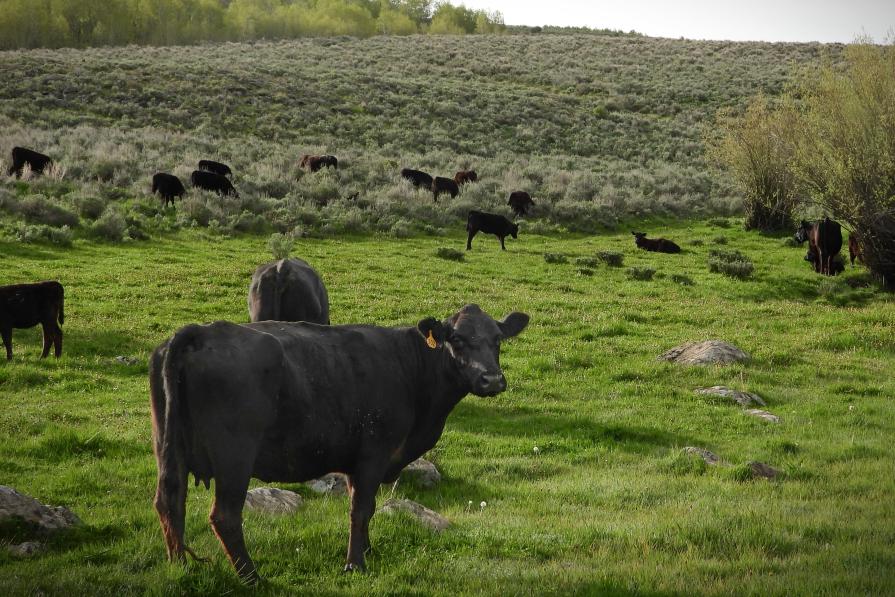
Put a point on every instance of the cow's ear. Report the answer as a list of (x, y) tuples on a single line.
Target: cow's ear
[(435, 332), (512, 324)]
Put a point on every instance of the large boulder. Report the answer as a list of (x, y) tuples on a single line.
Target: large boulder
[(425, 516), (707, 352), (15, 506), (271, 500), (423, 473), (741, 398)]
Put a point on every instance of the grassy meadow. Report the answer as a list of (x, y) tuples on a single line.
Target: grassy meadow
[(606, 133)]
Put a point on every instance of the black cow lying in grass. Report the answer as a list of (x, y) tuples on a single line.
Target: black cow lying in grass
[(658, 245), (444, 185), (288, 290), (38, 162), (25, 306), (289, 402), (213, 182), (216, 167), (499, 226), (520, 202), (824, 243), (168, 186)]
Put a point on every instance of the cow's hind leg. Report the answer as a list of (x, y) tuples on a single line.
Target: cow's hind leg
[(501, 243), (57, 341), (7, 341), (48, 339), (170, 503), (469, 239), (231, 483)]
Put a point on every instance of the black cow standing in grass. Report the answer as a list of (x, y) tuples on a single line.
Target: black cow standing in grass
[(38, 162), (824, 243), (499, 226), (25, 306), (168, 186), (213, 182), (444, 185), (289, 402), (317, 162), (288, 290), (520, 202), (417, 178), (216, 167), (658, 245)]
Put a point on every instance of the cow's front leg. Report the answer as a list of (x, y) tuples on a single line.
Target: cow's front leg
[(7, 341), (363, 487)]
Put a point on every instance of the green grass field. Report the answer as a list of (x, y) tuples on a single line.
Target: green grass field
[(608, 504)]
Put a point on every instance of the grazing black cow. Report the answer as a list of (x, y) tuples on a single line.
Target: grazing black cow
[(499, 226), (316, 162), (824, 243), (38, 162), (213, 182), (464, 176), (658, 245), (25, 306), (417, 178), (288, 290), (444, 185), (854, 248), (520, 202), (216, 167), (289, 402), (168, 186)]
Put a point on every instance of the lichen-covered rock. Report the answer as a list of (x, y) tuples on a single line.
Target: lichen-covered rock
[(708, 457), (763, 414), (741, 398), (272, 500), (332, 484), (707, 352), (423, 473), (425, 516), (45, 519)]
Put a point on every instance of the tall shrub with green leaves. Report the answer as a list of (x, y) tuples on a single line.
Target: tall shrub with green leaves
[(757, 148)]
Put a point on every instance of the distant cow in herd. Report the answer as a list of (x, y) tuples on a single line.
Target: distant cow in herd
[(499, 226), (520, 202), (444, 185), (21, 157), (658, 245), (216, 167), (211, 181), (167, 186), (317, 162), (289, 402), (417, 178), (26, 305), (288, 290), (464, 176), (824, 243)]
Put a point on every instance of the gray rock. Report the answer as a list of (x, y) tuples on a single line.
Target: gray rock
[(707, 352), (709, 457), (763, 471), (26, 549), (763, 414), (46, 519), (741, 398), (423, 473), (331, 484), (425, 516), (125, 360), (271, 500)]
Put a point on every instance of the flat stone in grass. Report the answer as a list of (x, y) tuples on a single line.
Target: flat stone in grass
[(708, 457), (707, 352), (763, 414), (760, 470), (26, 549), (15, 506), (425, 516), (332, 484), (271, 500), (741, 398), (423, 473)]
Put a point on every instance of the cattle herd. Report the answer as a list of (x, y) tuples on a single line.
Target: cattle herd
[(289, 397)]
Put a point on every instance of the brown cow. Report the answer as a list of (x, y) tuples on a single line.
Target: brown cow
[(464, 176), (854, 248), (25, 306), (824, 243), (444, 185), (317, 162)]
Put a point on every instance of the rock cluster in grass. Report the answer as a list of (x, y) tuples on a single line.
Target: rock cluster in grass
[(707, 352), (425, 516), (741, 398), (271, 500), (758, 470), (19, 509)]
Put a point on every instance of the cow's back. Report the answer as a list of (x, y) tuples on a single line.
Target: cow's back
[(288, 290)]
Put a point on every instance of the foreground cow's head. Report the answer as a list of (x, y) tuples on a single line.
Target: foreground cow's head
[(803, 232), (473, 339)]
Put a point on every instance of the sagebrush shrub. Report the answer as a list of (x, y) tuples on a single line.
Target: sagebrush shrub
[(611, 258), (280, 245), (450, 254), (730, 263), (555, 258), (32, 233), (38, 209), (641, 273), (111, 225)]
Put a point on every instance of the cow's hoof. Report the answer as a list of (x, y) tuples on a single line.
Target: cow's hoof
[(349, 567)]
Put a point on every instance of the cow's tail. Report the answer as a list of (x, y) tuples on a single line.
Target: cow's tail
[(170, 443)]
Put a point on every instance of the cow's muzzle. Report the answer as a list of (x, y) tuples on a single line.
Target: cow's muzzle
[(490, 384)]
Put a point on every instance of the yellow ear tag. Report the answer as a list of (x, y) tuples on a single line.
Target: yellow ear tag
[(430, 340)]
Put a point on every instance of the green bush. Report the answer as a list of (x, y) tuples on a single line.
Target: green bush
[(641, 273), (611, 258), (111, 225), (588, 262), (280, 245), (682, 280), (89, 207), (37, 209), (555, 258), (730, 263), (35, 233), (450, 254), (720, 240)]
